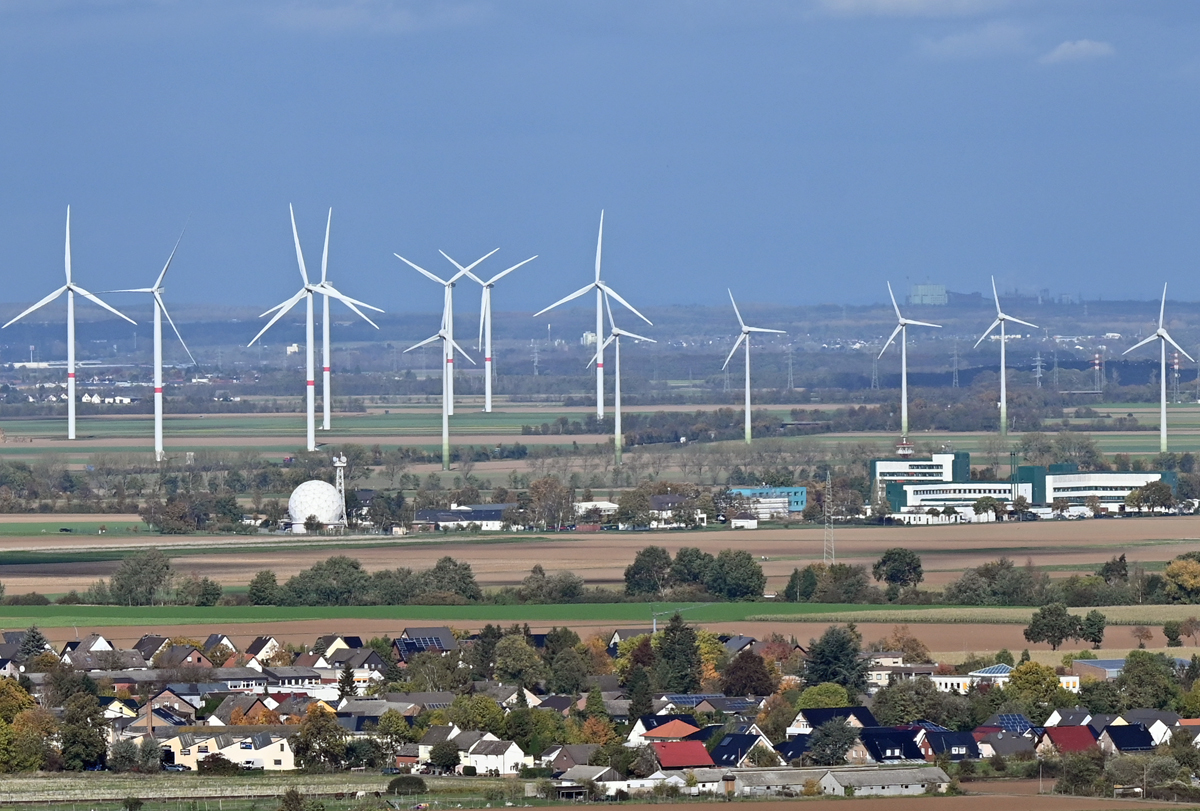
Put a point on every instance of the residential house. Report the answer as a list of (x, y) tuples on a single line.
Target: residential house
[(664, 512), (808, 720), (291, 678), (736, 643), (495, 757), (622, 634), (561, 757), (506, 695), (213, 641), (1004, 743), (92, 643), (1013, 722), (434, 639), (488, 517), (885, 745), (1158, 722), (582, 773), (177, 656), (953, 745), (239, 709), (681, 754), (311, 660), (733, 751), (150, 645), (746, 707), (1070, 717), (92, 661), (673, 730), (1100, 722), (887, 782), (263, 648), (647, 723), (331, 643), (1125, 739), (261, 750), (239, 679), (793, 750), (116, 708), (433, 736), (1062, 740), (170, 700)]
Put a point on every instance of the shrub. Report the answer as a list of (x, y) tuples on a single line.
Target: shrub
[(132, 804), (218, 765), (406, 784), (469, 771)]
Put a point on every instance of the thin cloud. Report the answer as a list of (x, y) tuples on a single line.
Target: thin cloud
[(911, 8), (1079, 50), (992, 39)]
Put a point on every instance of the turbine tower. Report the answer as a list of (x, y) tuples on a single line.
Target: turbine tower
[(602, 291), (485, 322), (745, 338), (325, 287), (160, 309), (306, 292), (448, 347), (1001, 318), (70, 288), (447, 321), (902, 330), (1163, 337), (614, 337)]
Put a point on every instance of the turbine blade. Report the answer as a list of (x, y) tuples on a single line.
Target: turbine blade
[(1141, 343), (599, 243), (460, 267), (160, 303), (995, 295), (325, 253), (282, 311), (922, 324), (1026, 323), (895, 306), (463, 352), (420, 269), (41, 303), (1167, 337), (299, 253), (634, 336), (600, 349), (988, 332), (608, 290), (349, 302), (131, 290), (67, 249), (471, 266), (612, 325), (1163, 307), (574, 295), (764, 329), (504, 273), (736, 312), (483, 302), (736, 344), (158, 282), (328, 289), (892, 337), (427, 341), (96, 300)]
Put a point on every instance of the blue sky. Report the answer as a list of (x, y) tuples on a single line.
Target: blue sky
[(800, 152)]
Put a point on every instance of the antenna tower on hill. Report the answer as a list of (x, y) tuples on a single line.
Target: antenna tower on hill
[(829, 555)]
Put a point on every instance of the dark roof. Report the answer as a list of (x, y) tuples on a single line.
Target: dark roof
[(216, 639), (149, 645), (1130, 737), (556, 703), (732, 748), (1073, 717), (438, 637), (737, 642), (492, 747), (649, 722), (1012, 721), (946, 741), (665, 502), (735, 705), (819, 716), (886, 744), (477, 515), (1006, 743), (1148, 717), (367, 658), (1100, 722), (793, 749), (258, 645), (436, 734)]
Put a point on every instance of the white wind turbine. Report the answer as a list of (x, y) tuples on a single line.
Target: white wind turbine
[(70, 288), (602, 290), (1001, 318), (326, 288), (745, 337), (902, 330), (485, 322), (306, 292), (1163, 337), (447, 321), (160, 309), (614, 337), (445, 335)]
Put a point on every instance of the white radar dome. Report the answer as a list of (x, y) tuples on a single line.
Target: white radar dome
[(315, 498)]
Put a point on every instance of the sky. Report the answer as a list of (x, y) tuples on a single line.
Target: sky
[(798, 152)]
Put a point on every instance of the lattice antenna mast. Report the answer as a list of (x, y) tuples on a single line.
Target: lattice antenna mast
[(339, 466), (954, 383), (829, 555), (874, 372)]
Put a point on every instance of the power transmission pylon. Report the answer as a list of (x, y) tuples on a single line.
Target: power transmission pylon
[(1037, 368), (954, 382), (829, 555), (791, 380), (874, 372)]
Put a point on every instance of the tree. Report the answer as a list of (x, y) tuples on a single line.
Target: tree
[(476, 712), (518, 662), (33, 644), (691, 566), (83, 732), (1053, 624), (124, 756), (1092, 628), (678, 665), (141, 579), (394, 730), (13, 699), (1148, 680), (649, 573), (836, 657), (986, 504), (1173, 630), (830, 742), (1189, 628), (637, 685), (899, 567), (346, 686), (1142, 634), (1183, 580), (1034, 685), (568, 672), (264, 589), (736, 575), (823, 696), (801, 585), (747, 675), (319, 742), (444, 756), (149, 756)]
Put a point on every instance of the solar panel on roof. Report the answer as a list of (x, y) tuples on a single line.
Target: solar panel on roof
[(1014, 722)]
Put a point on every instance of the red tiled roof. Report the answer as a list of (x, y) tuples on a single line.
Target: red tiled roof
[(682, 754), (672, 730), (1071, 739)]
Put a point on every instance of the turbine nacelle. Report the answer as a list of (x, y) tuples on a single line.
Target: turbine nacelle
[(902, 322)]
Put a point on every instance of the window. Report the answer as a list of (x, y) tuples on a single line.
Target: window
[(185, 751), (282, 747), (278, 762), (203, 750), (247, 745)]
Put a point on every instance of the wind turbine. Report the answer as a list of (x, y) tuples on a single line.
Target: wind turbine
[(602, 290), (614, 337), (326, 288), (485, 322), (1001, 318), (160, 309), (745, 337), (1163, 337), (902, 330), (445, 335), (306, 292), (447, 320), (70, 288)]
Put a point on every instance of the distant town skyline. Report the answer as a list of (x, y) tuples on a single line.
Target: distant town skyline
[(797, 152)]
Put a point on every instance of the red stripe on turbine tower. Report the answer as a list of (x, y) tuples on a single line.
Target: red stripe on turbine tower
[(599, 365), (324, 368), (70, 374), (487, 360), (449, 360), (312, 383), (158, 389)]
